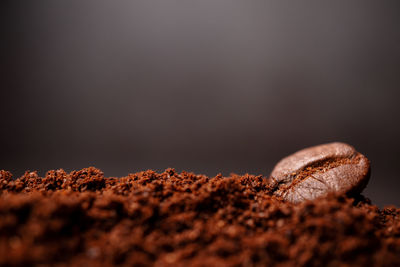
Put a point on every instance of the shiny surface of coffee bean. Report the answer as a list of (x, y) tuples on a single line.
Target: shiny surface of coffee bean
[(316, 171)]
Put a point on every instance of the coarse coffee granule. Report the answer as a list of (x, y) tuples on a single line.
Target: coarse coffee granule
[(182, 219)]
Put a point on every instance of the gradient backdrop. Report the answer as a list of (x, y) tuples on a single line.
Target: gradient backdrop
[(204, 86)]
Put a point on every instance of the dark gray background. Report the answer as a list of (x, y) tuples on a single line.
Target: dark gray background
[(204, 86)]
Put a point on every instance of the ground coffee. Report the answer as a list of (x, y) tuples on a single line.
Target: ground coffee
[(183, 219), (316, 171)]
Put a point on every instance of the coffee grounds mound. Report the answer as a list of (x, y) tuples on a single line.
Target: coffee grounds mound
[(180, 219)]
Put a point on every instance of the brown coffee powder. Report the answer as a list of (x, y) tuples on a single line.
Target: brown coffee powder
[(181, 219)]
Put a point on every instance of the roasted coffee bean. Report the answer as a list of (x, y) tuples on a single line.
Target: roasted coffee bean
[(316, 171)]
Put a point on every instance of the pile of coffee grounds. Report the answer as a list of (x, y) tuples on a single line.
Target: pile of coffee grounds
[(179, 219)]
